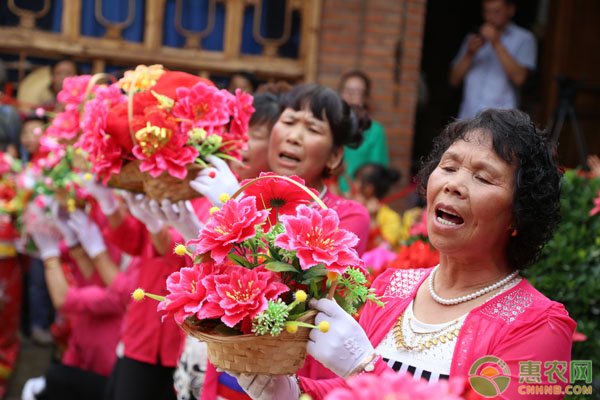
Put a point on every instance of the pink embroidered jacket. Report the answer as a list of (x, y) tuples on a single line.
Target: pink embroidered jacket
[(518, 325)]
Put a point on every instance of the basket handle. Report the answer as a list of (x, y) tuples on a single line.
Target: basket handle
[(308, 191), (130, 94), (95, 79)]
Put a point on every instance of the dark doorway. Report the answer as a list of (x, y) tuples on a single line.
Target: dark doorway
[(447, 23)]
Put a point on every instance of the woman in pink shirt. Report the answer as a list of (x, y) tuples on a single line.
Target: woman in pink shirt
[(492, 189), (94, 308), (307, 140)]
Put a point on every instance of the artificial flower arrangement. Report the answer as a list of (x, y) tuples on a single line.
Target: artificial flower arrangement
[(255, 265), (159, 126), (54, 172), (9, 194)]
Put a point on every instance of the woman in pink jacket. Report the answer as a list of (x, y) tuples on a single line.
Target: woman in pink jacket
[(492, 190)]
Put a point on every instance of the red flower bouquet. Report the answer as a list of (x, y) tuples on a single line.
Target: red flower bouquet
[(252, 276), (167, 124)]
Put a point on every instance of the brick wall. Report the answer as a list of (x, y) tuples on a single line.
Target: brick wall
[(364, 34)]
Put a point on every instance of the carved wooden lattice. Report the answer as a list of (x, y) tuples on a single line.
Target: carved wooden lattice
[(26, 39)]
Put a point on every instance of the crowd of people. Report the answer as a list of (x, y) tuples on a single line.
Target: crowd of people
[(490, 191)]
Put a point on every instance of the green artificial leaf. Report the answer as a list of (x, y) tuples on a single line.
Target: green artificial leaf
[(239, 260), (317, 270), (278, 266)]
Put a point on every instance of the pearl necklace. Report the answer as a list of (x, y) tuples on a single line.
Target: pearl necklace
[(474, 295)]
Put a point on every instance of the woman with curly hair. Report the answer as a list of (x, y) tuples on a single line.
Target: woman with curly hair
[(492, 190)]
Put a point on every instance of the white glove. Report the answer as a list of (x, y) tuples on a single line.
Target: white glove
[(179, 216), (88, 233), (108, 202), (47, 243), (60, 221), (268, 387), (33, 387), (223, 181), (345, 346), (138, 207)]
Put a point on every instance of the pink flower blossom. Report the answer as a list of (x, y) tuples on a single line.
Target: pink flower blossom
[(243, 293), (596, 208), (202, 106), (111, 94), (241, 109), (5, 163), (188, 293), (103, 150), (40, 112), (391, 386), (315, 236), (73, 89), (280, 196), (65, 125), (162, 147), (233, 223)]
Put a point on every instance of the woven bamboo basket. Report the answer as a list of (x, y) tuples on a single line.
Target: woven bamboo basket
[(130, 178), (267, 355), (62, 198), (168, 187), (80, 162), (283, 354)]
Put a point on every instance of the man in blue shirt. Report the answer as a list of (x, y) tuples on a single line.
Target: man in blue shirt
[(494, 62)]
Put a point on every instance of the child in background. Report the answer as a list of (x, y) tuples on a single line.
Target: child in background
[(372, 182)]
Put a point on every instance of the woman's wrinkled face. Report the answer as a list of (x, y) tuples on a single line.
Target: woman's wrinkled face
[(254, 155), (302, 145), (469, 200)]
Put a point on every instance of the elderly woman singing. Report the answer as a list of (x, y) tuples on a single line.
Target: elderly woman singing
[(492, 189)]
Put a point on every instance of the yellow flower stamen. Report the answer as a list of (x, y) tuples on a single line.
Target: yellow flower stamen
[(224, 197), (138, 294), (324, 326), (291, 329), (87, 176), (180, 250), (213, 210), (301, 296), (332, 275)]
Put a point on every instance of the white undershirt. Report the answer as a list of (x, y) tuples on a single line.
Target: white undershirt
[(427, 363)]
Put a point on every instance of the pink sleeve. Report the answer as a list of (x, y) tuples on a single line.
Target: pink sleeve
[(211, 383), (128, 237), (356, 219), (548, 339), (92, 300)]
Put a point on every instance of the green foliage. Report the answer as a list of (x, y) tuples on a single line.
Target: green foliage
[(568, 270), (353, 285), (272, 319)]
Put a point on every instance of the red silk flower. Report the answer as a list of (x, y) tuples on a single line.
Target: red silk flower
[(281, 196)]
